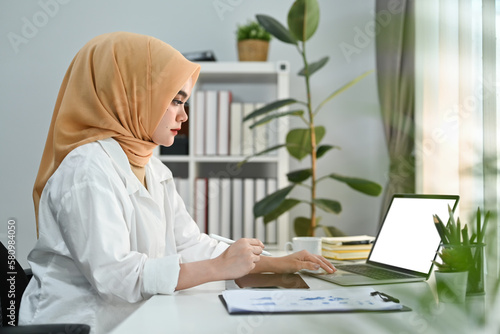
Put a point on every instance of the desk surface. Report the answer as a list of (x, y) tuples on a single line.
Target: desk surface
[(199, 310)]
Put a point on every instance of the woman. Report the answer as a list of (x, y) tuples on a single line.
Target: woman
[(112, 229)]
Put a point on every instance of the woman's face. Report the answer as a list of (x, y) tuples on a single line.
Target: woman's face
[(173, 118)]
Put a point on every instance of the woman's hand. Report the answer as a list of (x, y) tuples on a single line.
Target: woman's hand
[(240, 258), (293, 263)]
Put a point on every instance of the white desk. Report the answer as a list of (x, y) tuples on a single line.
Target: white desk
[(199, 310)]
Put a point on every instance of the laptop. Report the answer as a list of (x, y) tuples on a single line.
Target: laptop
[(406, 244)]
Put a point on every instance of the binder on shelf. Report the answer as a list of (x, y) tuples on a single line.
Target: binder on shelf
[(182, 187), (248, 201), (271, 227), (211, 122), (200, 204), (248, 134), (224, 119), (260, 133), (237, 208), (213, 199), (199, 123), (260, 193), (236, 129), (225, 206)]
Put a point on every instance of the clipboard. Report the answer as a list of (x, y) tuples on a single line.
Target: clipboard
[(292, 301)]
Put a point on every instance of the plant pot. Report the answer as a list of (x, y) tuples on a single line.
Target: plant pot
[(451, 286), (473, 257), (253, 50)]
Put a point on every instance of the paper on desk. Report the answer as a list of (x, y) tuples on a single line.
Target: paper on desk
[(297, 300)]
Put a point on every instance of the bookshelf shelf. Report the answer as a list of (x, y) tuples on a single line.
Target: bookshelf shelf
[(251, 83)]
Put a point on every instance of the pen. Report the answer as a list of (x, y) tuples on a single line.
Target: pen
[(229, 242)]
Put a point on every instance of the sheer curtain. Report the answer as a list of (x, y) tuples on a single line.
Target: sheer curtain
[(456, 108), (395, 77)]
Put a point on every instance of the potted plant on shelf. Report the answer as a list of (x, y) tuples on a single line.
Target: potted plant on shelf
[(253, 42), (303, 18), (461, 253)]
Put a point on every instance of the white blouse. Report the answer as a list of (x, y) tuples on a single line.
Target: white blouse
[(106, 243)]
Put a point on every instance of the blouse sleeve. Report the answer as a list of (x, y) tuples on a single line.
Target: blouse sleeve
[(93, 225)]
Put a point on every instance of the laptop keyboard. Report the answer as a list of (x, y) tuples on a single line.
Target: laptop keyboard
[(372, 272)]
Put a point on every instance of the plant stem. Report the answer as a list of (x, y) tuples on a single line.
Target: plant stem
[(313, 141)]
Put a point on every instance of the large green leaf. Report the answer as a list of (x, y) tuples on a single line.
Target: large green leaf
[(267, 150), (272, 116), (299, 175), (271, 202), (365, 186), (342, 89), (302, 226), (303, 19), (299, 141), (269, 107), (328, 205), (276, 29), (285, 206), (323, 149), (313, 67)]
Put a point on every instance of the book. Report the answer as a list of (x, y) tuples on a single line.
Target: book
[(271, 227), (236, 129), (225, 207), (248, 134), (248, 202), (356, 247), (182, 186), (224, 117), (260, 193), (199, 123), (213, 198), (200, 203), (353, 239), (237, 208), (345, 254), (211, 122), (337, 247), (260, 133)]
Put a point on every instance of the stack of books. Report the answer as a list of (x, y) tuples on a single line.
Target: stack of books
[(355, 247)]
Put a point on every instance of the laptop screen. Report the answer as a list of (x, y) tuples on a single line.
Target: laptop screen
[(408, 238)]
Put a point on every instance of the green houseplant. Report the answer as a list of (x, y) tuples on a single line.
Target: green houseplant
[(253, 42), (461, 252), (303, 19)]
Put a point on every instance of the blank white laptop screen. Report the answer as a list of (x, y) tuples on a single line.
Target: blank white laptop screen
[(408, 238)]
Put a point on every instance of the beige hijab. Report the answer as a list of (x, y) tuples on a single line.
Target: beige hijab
[(118, 85)]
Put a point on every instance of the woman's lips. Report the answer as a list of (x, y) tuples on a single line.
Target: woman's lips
[(174, 131)]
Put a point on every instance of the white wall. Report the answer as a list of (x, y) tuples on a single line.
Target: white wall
[(50, 32)]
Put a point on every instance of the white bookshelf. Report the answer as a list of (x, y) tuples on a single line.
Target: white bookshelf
[(255, 82)]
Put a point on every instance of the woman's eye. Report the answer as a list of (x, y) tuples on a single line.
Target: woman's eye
[(177, 102)]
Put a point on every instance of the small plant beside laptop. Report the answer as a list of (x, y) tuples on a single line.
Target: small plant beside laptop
[(462, 249)]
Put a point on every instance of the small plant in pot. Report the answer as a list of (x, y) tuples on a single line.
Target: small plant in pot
[(461, 252), (253, 42)]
